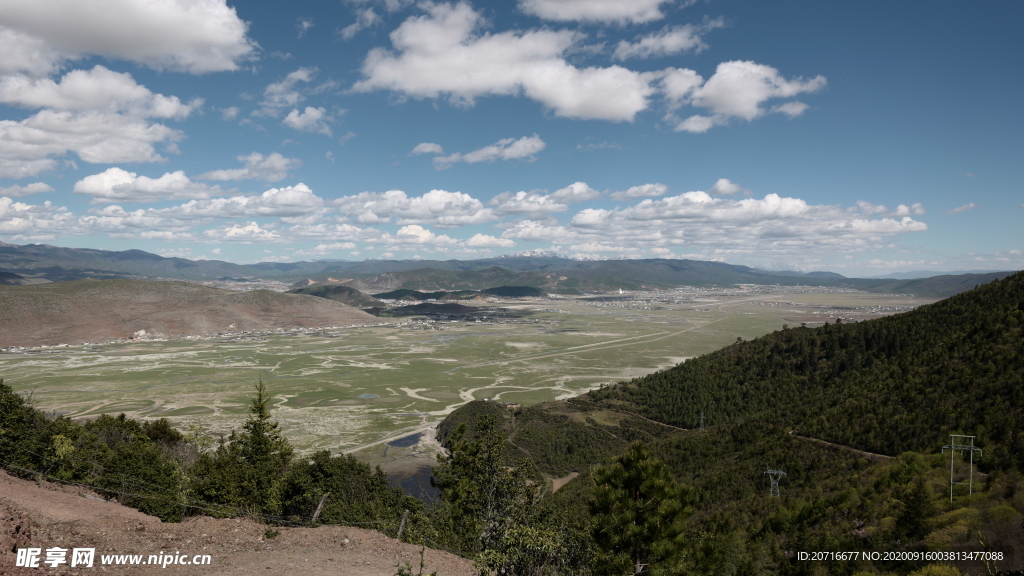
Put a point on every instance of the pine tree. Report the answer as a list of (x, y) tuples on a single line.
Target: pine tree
[(638, 511), (481, 495)]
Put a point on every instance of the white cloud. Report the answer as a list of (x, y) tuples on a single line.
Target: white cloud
[(365, 18), (287, 203), (668, 41), (505, 149), (776, 226), (322, 249), (230, 113), (17, 191), (27, 146), (284, 94), (738, 89), (443, 54), (21, 52), (575, 192), (526, 203), (791, 109), (23, 221), (310, 120), (303, 25), (248, 233), (100, 115), (117, 185), (272, 168), (606, 11), (641, 191), (725, 187), (604, 145), (963, 208), (437, 207), (99, 89), (904, 210), (196, 36), (427, 148), (416, 234), (485, 241)]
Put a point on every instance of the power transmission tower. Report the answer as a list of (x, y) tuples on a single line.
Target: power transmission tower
[(774, 476), (963, 444)]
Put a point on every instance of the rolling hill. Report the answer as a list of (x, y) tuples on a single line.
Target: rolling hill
[(97, 310), (339, 293)]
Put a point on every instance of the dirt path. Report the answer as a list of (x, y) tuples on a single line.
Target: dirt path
[(868, 455), (44, 515)]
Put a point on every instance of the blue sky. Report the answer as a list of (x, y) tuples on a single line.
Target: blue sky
[(861, 138)]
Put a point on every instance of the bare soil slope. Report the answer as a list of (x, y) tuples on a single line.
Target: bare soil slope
[(98, 310), (44, 515)]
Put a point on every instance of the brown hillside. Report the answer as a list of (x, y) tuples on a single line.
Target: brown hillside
[(44, 515), (99, 310)]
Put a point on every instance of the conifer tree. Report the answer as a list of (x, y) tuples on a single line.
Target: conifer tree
[(638, 511), (481, 495)]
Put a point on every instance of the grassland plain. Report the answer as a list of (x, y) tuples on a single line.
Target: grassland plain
[(357, 389)]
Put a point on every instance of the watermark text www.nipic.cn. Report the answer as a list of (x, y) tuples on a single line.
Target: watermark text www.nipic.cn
[(86, 558)]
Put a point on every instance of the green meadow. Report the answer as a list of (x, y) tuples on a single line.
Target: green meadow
[(354, 388)]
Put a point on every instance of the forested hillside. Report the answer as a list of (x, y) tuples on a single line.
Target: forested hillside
[(888, 385), (856, 417)]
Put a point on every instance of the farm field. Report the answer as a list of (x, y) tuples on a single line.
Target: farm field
[(359, 389)]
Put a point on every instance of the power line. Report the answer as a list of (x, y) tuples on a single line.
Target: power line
[(963, 444), (774, 476)]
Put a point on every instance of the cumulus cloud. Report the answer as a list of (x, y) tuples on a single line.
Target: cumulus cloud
[(117, 185), (443, 54), (17, 191), (668, 41), (526, 203), (725, 187), (196, 36), (526, 147), (284, 94), (310, 120), (904, 210), (641, 191), (775, 225), (249, 233), (27, 147), (738, 89), (437, 207), (365, 18), (416, 234), (427, 148), (485, 241), (33, 222), (100, 115), (99, 89), (605, 11), (271, 168), (292, 202), (326, 248), (963, 208), (576, 192), (230, 113)]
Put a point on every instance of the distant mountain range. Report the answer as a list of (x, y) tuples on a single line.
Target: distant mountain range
[(36, 263)]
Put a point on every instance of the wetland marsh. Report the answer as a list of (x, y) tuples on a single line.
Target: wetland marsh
[(358, 389)]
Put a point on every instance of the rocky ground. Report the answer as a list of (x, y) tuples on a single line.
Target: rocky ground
[(44, 515)]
